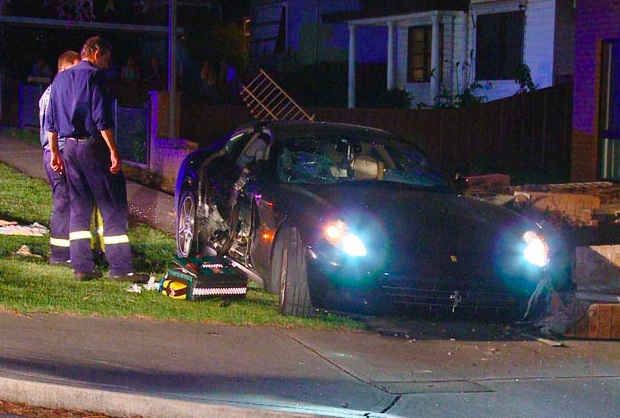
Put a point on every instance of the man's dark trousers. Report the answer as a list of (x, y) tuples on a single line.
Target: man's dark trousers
[(59, 221), (90, 182)]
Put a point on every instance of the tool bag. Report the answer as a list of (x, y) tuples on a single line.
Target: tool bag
[(198, 278)]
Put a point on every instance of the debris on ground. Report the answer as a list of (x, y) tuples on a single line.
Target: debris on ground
[(13, 228), (574, 316), (16, 409), (151, 285), (24, 251)]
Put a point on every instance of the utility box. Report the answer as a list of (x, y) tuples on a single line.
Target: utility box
[(197, 278)]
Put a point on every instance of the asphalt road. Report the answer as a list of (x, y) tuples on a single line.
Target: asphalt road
[(124, 367)]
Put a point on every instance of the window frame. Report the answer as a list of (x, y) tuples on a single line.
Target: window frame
[(426, 54), (268, 32), (609, 110), (498, 50)]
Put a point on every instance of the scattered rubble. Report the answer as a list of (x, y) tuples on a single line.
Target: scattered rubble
[(13, 228), (588, 216), (25, 251)]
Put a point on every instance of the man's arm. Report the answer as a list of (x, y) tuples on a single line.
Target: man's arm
[(56, 160), (108, 137)]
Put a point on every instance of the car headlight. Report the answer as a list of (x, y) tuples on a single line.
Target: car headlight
[(337, 234), (536, 250)]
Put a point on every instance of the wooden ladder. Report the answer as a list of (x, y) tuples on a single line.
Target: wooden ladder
[(266, 100)]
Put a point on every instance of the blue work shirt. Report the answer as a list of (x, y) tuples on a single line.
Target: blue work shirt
[(43, 102), (79, 104)]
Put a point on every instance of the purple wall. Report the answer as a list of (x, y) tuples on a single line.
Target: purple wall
[(596, 20)]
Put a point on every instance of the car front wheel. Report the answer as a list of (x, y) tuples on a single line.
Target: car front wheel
[(186, 225), (289, 275)]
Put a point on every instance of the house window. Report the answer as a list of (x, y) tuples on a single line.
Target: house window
[(419, 54), (609, 122), (268, 35), (499, 45)]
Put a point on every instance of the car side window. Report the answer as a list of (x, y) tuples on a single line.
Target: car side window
[(237, 144), (255, 150)]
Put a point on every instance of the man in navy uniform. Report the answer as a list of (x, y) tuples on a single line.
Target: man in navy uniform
[(80, 112), (59, 221)]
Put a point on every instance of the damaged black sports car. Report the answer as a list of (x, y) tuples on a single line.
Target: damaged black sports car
[(349, 218)]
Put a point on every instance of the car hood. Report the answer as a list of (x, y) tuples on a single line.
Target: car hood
[(408, 218)]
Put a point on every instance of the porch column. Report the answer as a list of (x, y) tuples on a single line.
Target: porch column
[(351, 66), (390, 56), (466, 64), (435, 58)]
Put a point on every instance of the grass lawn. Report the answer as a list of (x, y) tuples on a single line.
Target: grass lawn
[(29, 284)]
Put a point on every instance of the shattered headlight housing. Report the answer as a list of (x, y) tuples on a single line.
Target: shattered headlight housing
[(536, 250), (337, 234)]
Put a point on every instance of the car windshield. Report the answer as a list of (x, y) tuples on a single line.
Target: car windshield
[(327, 160)]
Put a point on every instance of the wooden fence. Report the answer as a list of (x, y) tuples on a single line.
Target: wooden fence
[(526, 136)]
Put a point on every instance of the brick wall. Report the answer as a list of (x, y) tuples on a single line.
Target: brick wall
[(597, 269), (584, 157)]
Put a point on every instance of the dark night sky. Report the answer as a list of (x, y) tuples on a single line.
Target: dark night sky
[(128, 11)]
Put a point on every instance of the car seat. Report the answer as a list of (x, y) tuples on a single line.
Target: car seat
[(366, 167)]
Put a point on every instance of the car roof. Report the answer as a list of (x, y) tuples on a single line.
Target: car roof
[(293, 128)]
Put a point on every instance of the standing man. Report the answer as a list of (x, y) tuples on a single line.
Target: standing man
[(80, 112), (59, 221)]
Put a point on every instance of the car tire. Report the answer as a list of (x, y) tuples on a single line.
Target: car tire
[(186, 238), (289, 275)]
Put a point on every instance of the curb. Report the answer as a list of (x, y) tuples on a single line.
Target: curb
[(119, 404)]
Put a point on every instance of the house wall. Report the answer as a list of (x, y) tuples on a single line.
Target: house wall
[(311, 41), (462, 74), (539, 42), (564, 52), (453, 46), (547, 42), (541, 46), (333, 45), (595, 20)]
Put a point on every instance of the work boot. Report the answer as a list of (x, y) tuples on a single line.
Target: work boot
[(82, 276), (130, 277)]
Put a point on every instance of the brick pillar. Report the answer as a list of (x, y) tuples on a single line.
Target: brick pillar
[(160, 119)]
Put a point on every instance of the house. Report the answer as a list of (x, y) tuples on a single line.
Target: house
[(427, 46), (595, 149)]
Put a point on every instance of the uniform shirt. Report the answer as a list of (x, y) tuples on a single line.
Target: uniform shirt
[(43, 102), (79, 104)]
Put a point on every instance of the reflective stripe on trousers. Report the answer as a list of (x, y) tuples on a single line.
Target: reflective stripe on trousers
[(116, 239), (59, 242)]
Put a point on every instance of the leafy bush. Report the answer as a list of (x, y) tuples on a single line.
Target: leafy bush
[(390, 99), (523, 77), (466, 89)]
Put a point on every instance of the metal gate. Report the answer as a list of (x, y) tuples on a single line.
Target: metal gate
[(132, 134), (265, 99)]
